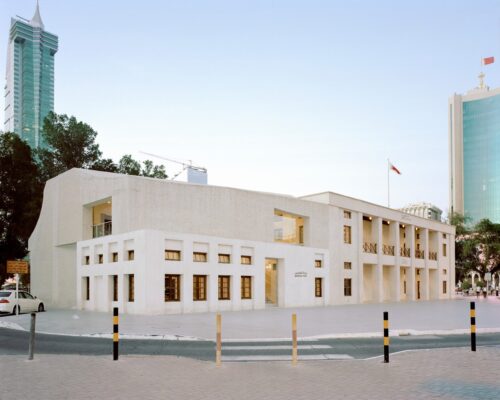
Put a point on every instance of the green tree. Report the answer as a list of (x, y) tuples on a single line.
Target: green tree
[(20, 198), (127, 165)]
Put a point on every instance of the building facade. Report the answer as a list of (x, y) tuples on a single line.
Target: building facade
[(474, 141), (152, 246), (29, 88), (424, 210)]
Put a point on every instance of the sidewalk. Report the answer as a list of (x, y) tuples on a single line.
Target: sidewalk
[(363, 320), (436, 374)]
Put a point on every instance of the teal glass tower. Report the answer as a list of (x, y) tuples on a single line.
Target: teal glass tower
[(474, 121), (29, 89)]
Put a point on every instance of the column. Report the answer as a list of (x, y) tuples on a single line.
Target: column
[(358, 242), (410, 285), (451, 266), (396, 282), (379, 270), (425, 278)]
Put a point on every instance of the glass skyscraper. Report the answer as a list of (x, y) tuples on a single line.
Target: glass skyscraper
[(474, 121), (29, 89)]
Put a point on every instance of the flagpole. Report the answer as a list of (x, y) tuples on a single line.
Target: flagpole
[(388, 191)]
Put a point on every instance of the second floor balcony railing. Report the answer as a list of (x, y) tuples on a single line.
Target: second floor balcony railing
[(370, 248), (388, 250), (404, 252), (419, 254), (433, 255), (103, 229)]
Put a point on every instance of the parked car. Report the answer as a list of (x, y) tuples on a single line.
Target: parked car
[(27, 302)]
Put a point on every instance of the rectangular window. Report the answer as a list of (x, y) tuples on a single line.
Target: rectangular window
[(347, 287), (246, 287), (347, 214), (130, 255), (100, 258), (173, 255), (224, 287), (347, 265), (444, 249), (114, 257), (199, 257), (318, 287), (318, 263), (87, 260), (444, 272), (87, 288), (172, 287), (404, 287), (444, 235), (115, 287), (199, 287), (347, 234), (224, 258), (131, 288), (444, 287), (246, 260)]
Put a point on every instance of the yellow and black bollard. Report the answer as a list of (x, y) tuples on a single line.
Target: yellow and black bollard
[(473, 326), (386, 337), (218, 339), (294, 339), (115, 333)]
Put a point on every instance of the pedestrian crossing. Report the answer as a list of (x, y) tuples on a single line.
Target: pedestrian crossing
[(244, 352)]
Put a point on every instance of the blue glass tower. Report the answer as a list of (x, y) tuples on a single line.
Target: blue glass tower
[(29, 89), (475, 154)]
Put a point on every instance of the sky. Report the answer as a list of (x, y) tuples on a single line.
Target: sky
[(292, 97)]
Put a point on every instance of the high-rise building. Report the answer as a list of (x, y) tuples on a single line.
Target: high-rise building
[(474, 143), (29, 88)]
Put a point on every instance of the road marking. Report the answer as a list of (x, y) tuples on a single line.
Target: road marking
[(311, 357), (277, 347)]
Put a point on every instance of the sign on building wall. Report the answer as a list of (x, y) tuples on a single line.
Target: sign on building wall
[(301, 274), (17, 267)]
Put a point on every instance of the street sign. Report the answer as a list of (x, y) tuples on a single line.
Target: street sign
[(487, 276), (17, 267)]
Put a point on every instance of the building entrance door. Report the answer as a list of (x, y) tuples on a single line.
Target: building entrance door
[(271, 281)]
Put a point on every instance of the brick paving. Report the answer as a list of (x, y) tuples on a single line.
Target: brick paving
[(433, 374)]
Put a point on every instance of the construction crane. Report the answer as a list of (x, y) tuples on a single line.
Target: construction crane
[(185, 165)]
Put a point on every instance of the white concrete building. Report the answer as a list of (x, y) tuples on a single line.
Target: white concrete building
[(424, 210), (152, 246)]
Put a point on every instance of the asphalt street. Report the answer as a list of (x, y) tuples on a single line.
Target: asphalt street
[(15, 342)]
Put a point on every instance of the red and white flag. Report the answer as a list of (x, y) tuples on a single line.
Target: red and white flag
[(393, 168), (488, 60)]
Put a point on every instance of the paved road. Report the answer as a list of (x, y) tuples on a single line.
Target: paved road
[(13, 342)]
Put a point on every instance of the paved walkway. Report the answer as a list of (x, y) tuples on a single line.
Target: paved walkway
[(428, 317), (437, 374)]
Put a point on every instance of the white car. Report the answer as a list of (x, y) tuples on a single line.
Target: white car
[(27, 302)]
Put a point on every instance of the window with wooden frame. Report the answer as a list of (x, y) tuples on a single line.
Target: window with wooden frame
[(115, 287), (224, 287), (130, 255), (347, 214), (87, 288), (199, 256), (199, 287), (246, 260), (172, 287), (173, 255), (444, 249), (87, 260), (246, 287), (114, 256), (318, 287), (347, 265), (347, 287), (100, 258), (224, 258), (318, 263), (444, 287), (347, 234), (131, 288)]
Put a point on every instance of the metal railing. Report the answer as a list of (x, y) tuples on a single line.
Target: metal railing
[(388, 250), (370, 248), (103, 229), (419, 254), (404, 252), (433, 255)]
